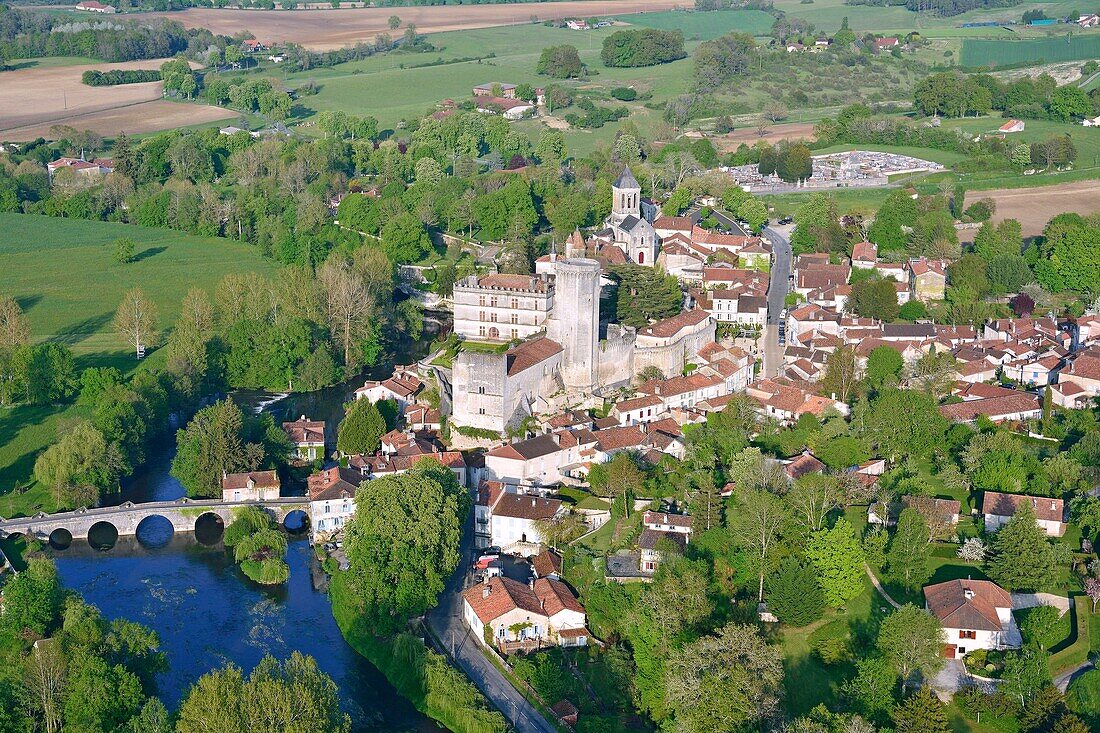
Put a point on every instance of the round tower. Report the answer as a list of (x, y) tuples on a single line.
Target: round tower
[(577, 321)]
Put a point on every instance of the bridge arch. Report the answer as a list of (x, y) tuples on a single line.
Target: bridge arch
[(209, 528), (60, 539), (102, 535), (154, 531), (296, 522)]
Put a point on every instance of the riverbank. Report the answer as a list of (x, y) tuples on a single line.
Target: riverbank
[(422, 676)]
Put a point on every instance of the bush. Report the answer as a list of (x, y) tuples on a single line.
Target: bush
[(625, 94), (831, 649)]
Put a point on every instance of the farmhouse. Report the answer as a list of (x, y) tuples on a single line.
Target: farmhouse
[(1012, 126), (999, 508), (93, 6), (975, 614)]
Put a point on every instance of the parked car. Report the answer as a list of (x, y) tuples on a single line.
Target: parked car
[(786, 220)]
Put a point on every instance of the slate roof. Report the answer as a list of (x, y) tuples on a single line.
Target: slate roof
[(626, 179)]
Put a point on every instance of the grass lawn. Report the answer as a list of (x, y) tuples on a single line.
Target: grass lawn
[(706, 25), (1062, 47), (808, 680), (76, 308), (62, 272)]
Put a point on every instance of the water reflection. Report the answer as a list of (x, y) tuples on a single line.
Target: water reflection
[(207, 613)]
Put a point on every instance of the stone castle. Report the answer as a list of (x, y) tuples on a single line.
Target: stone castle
[(567, 358)]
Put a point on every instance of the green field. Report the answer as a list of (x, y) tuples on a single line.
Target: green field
[(705, 26), (62, 272), (984, 52)]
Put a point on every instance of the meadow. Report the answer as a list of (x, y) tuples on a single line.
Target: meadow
[(63, 273), (705, 26), (986, 52)]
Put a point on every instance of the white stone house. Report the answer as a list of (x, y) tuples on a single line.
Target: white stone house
[(975, 614), (999, 508), (658, 526), (307, 437), (250, 486), (515, 616), (332, 498)]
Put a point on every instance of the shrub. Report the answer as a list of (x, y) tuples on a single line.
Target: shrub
[(625, 94)]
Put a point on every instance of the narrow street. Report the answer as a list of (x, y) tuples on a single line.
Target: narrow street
[(777, 293), (448, 625)]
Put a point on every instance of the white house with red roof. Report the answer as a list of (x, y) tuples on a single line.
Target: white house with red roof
[(94, 6), (402, 387), (1012, 126), (332, 498), (975, 614), (307, 437), (80, 167), (998, 509), (514, 616), (510, 519)]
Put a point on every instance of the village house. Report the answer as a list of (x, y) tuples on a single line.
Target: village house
[(801, 465), (307, 437), (495, 89), (1012, 126), (1084, 371), (639, 410), (250, 486), (727, 306), (658, 527), (510, 520), (515, 616), (547, 564), (1015, 406), (975, 614), (509, 109), (332, 498), (382, 464), (998, 508), (927, 278), (538, 461), (864, 255), (402, 387), (80, 167)]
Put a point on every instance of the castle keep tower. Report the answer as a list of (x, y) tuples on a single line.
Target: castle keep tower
[(576, 321)]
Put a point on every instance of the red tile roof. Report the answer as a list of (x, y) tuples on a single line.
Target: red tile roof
[(259, 479), (967, 604), (530, 353), (1006, 505), (672, 326)]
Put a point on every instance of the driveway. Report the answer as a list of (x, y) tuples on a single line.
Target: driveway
[(1031, 600), (777, 294), (447, 623)]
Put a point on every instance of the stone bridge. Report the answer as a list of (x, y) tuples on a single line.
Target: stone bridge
[(125, 518)]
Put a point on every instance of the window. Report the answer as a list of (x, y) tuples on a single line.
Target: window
[(481, 410), (515, 318), (481, 390), (481, 301), (515, 333), (493, 317), (481, 315), (481, 331), (965, 634), (493, 302), (515, 302)]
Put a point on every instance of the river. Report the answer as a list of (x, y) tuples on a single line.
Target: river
[(208, 613)]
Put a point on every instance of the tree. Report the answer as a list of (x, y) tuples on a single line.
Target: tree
[(871, 691), (211, 445), (14, 333), (621, 479), (793, 593), (909, 550), (841, 373), (757, 525), (812, 498), (136, 319), (905, 422), (560, 62), (912, 640), (124, 250), (884, 365), (44, 372), (394, 22), (642, 47), (80, 467), (405, 240), (45, 677), (1092, 590), (753, 212), (676, 599), (1026, 673), (921, 713), (99, 696), (874, 298), (361, 429), (292, 695), (818, 227), (349, 307), (1038, 623), (1021, 557), (838, 558), (403, 543), (153, 718), (32, 599), (1071, 255), (729, 681), (934, 372)]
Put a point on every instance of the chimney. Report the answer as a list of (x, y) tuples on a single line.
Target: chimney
[(968, 594), (534, 501), (486, 589)]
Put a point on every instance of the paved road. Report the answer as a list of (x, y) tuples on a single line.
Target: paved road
[(777, 293), (447, 623)]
